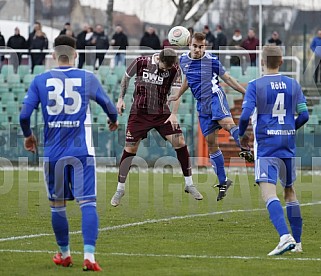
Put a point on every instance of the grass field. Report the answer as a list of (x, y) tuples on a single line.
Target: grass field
[(158, 229)]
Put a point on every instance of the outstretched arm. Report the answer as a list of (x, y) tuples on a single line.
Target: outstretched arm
[(230, 81), (174, 97)]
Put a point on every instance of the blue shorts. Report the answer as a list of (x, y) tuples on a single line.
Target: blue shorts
[(269, 169), (71, 177), (219, 111)]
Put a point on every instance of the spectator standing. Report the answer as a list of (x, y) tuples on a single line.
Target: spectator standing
[(17, 41), (150, 39), (67, 30), (235, 44), (316, 49), (251, 43), (100, 40), (2, 44), (210, 38), (119, 39), (221, 39), (90, 42), (37, 41), (275, 40), (81, 44)]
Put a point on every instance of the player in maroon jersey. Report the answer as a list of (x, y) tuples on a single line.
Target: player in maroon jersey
[(156, 75)]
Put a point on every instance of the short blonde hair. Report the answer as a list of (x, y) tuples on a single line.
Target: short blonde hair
[(272, 56)]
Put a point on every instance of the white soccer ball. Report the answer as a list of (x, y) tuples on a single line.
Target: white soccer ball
[(179, 36)]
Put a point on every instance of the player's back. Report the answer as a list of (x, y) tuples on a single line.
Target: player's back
[(64, 94), (276, 98)]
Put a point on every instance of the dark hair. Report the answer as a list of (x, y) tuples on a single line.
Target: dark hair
[(65, 40), (168, 56), (65, 48), (272, 56), (199, 36)]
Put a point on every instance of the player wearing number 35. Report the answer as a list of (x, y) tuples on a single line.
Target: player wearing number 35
[(273, 101), (69, 156)]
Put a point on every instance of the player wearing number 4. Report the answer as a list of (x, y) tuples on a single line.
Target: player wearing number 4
[(202, 70), (274, 100), (69, 166)]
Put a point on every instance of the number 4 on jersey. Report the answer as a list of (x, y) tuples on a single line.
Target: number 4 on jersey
[(278, 108)]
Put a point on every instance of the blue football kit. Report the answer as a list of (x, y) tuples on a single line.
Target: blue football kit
[(273, 101), (202, 77), (64, 94)]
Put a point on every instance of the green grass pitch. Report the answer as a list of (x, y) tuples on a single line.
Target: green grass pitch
[(158, 229)]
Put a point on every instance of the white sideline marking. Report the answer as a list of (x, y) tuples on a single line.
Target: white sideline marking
[(148, 221), (169, 255)]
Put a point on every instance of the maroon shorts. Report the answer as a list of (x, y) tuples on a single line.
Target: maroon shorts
[(139, 125)]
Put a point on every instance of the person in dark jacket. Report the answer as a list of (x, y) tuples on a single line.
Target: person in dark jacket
[(275, 40), (210, 38), (100, 40), (316, 48), (119, 41), (67, 30), (235, 44), (2, 44), (251, 43), (150, 39), (81, 44), (17, 41), (221, 39), (37, 40)]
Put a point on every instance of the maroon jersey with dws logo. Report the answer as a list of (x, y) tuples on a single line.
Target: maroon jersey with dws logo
[(152, 85)]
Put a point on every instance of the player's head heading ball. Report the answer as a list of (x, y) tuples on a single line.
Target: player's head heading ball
[(168, 58), (65, 49), (272, 56)]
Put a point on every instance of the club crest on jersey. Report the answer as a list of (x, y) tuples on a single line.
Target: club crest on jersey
[(164, 74), (152, 78)]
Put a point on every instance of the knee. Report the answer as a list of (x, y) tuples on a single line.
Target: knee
[(289, 194)]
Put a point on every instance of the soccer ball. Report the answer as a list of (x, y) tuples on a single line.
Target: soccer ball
[(178, 36)]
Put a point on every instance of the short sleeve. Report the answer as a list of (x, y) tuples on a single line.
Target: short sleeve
[(218, 67), (132, 68)]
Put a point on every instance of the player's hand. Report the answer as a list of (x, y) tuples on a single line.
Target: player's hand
[(244, 141), (112, 126), (31, 143), (172, 98), (120, 106), (173, 120)]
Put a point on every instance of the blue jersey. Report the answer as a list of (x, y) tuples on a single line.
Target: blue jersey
[(202, 77), (64, 94), (274, 101)]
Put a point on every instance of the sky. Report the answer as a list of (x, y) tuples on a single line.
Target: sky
[(153, 11)]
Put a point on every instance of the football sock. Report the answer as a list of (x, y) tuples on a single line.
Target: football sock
[(217, 161), (124, 165), (65, 251), (60, 227), (89, 252), (89, 228), (234, 131), (277, 216), (121, 186), (184, 160), (188, 180), (295, 219)]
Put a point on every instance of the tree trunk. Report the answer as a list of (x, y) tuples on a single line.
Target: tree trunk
[(109, 19)]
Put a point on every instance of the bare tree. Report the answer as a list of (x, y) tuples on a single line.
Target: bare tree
[(183, 7), (109, 14)]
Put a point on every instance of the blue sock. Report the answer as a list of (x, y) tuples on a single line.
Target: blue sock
[(277, 216), (60, 226), (295, 219), (234, 131), (89, 223), (217, 161)]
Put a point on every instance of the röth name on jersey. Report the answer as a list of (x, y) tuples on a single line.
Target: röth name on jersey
[(278, 85), (152, 78)]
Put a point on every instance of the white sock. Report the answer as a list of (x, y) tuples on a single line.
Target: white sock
[(121, 186), (89, 256), (188, 180), (65, 254)]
